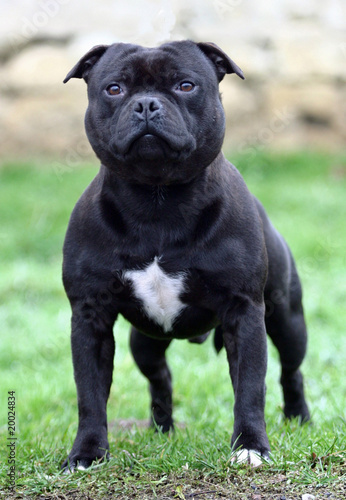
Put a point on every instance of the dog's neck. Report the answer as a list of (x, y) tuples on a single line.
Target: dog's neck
[(167, 207), (158, 194)]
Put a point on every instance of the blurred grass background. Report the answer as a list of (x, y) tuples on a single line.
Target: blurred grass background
[(304, 195)]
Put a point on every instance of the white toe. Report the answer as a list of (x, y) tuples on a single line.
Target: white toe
[(250, 457)]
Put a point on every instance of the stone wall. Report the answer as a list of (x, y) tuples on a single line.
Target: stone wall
[(293, 54)]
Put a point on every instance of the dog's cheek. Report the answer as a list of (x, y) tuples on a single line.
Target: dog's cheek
[(98, 121), (210, 122)]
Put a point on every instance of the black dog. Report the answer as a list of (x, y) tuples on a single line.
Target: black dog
[(168, 235)]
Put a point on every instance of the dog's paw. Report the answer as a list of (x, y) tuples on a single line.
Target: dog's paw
[(298, 410), (76, 463), (70, 466), (90, 447), (253, 458)]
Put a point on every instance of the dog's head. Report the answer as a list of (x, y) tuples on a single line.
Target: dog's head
[(155, 114)]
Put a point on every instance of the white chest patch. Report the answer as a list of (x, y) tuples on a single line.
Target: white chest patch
[(159, 293)]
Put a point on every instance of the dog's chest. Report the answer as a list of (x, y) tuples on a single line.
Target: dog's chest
[(158, 292)]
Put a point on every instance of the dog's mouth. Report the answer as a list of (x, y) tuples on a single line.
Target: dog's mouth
[(150, 147)]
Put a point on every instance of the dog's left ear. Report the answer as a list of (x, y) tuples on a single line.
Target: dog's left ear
[(85, 64), (223, 64)]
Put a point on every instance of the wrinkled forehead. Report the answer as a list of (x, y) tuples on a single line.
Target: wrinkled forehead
[(172, 60)]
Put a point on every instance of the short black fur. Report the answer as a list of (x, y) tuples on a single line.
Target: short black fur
[(166, 196)]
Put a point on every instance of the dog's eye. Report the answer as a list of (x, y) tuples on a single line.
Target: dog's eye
[(186, 86), (113, 89)]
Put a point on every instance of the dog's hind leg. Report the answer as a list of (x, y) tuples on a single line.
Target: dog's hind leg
[(149, 355), (286, 327)]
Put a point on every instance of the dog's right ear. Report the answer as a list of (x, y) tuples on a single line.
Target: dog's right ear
[(85, 64)]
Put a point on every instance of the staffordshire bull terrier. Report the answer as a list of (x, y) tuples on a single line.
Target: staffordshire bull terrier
[(168, 235)]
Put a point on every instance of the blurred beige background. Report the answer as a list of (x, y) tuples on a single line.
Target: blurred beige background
[(293, 53)]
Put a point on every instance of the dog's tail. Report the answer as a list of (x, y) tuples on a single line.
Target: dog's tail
[(218, 339)]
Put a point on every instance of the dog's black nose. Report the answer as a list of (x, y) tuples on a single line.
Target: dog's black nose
[(147, 107)]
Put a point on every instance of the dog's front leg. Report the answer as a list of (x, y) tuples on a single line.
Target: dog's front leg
[(245, 342), (93, 346)]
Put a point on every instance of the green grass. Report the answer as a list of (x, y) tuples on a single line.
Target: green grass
[(304, 194)]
